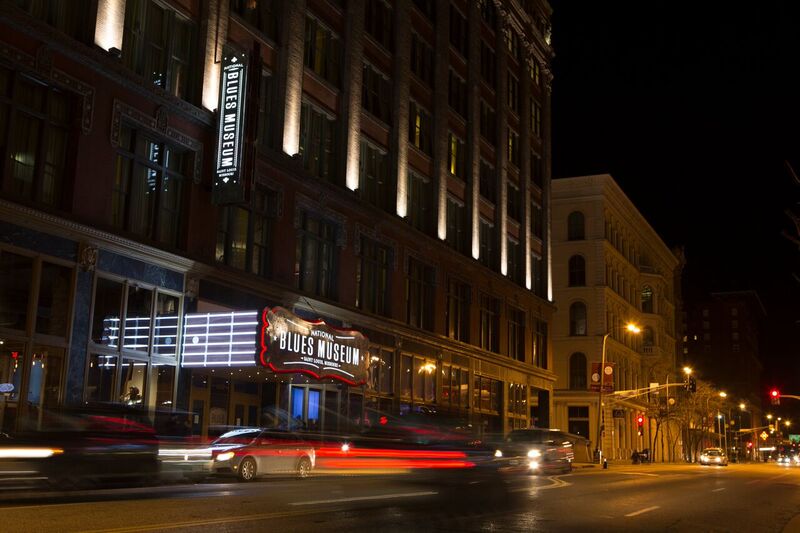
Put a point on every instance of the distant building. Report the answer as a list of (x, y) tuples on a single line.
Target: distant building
[(383, 165), (610, 268)]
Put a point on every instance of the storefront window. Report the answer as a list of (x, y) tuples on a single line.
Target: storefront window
[(381, 371), (133, 379), (100, 380), (52, 311), (405, 378), (137, 318), (11, 361), (44, 382), (159, 395), (107, 305), (165, 333), (15, 284)]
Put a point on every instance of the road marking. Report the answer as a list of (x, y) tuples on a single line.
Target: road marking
[(193, 523), (645, 510), (555, 483), (768, 479), (639, 474), (719, 489), (365, 498)]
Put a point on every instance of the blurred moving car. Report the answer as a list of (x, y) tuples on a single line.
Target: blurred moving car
[(788, 460), (536, 450), (713, 456), (251, 452), (81, 448)]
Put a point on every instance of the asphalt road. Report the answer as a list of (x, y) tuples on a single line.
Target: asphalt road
[(746, 498)]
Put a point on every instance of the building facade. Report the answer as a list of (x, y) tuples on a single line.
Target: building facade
[(382, 166), (610, 268)]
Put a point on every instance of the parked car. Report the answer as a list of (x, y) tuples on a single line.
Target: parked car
[(250, 452), (536, 450), (713, 456)]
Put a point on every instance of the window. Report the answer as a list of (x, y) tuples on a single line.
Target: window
[(488, 123), (458, 299), (513, 147), (266, 125), (514, 202), (380, 371), (537, 220), (456, 224), (148, 192), (488, 65), (488, 12), (421, 59), (734, 311), (516, 334), (374, 185), (536, 118), (488, 181), (734, 324), (34, 138), (378, 22), (486, 394), (420, 128), (66, 16), (513, 93), (427, 8), (578, 420), (317, 142), (419, 294), (455, 387), (577, 319), (705, 313), (577, 271), (456, 156), (376, 94), (373, 284), (420, 194), (260, 14), (458, 31), (648, 337), (735, 336), (537, 170), (535, 71), (490, 323), (322, 51), (245, 233), (515, 263), (577, 371), (424, 383), (537, 275), (540, 343), (315, 269), (575, 226), (486, 237), (157, 44), (457, 94), (647, 299), (512, 43)]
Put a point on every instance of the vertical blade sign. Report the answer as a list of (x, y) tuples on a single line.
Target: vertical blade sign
[(228, 187)]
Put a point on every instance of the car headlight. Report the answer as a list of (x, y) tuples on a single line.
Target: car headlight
[(225, 456), (534, 465), (534, 453), (345, 447), (29, 453), (498, 453)]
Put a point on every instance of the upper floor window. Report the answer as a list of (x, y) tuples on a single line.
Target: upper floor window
[(421, 59), (35, 127), (488, 65), (540, 349), (315, 256), (490, 323), (244, 236), (266, 130), (261, 14), (514, 202), (420, 285), (148, 190), (376, 94), (317, 142), (577, 371), (157, 43), (648, 337), (427, 8), (420, 194), (457, 94), (458, 300), (577, 319), (534, 71), (456, 156), (322, 51), (513, 93), (374, 185), (420, 128), (516, 334), (488, 12), (488, 181), (512, 43), (537, 220), (373, 286), (458, 31), (488, 123), (577, 271), (647, 299), (378, 22), (513, 147), (486, 237), (456, 224), (536, 118), (67, 16), (537, 275), (514, 259), (576, 230), (537, 170)]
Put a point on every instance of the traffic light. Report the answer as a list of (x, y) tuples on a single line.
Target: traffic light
[(775, 397), (640, 423), (692, 384)]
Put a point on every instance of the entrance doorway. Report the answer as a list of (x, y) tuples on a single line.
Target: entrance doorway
[(314, 408)]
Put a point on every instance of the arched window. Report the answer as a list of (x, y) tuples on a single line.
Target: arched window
[(577, 271), (577, 371), (575, 227), (647, 299), (648, 337), (577, 319)]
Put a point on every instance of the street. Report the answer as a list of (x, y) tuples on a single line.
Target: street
[(749, 497)]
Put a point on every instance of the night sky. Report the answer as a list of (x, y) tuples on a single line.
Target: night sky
[(693, 107)]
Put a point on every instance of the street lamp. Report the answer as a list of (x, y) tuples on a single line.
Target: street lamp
[(630, 328), (687, 371)]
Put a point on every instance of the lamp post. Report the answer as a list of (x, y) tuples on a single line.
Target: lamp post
[(632, 328), (687, 452)]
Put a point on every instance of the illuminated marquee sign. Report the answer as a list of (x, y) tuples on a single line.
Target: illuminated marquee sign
[(290, 344), (230, 131)]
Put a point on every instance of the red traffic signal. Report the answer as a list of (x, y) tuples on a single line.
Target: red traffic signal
[(775, 397), (640, 420)]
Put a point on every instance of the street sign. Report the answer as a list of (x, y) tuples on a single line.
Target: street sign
[(608, 377), (794, 439), (763, 435)]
